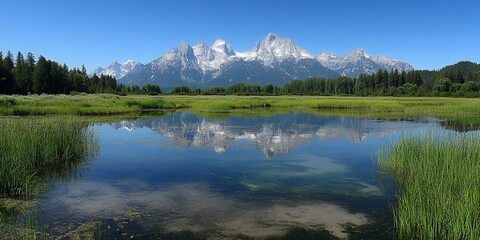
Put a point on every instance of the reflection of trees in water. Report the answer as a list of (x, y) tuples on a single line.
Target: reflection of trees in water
[(272, 136)]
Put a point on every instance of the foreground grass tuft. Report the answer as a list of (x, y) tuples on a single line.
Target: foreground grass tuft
[(438, 184), (34, 151)]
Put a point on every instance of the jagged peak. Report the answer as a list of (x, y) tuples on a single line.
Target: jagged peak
[(359, 53), (183, 49), (276, 49), (183, 46), (219, 42), (200, 44), (114, 64), (221, 45), (271, 37)]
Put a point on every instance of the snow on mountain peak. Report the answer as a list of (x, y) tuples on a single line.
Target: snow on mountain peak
[(130, 62), (219, 43), (204, 55), (182, 48), (117, 70), (359, 61), (210, 58), (201, 49), (182, 51), (200, 45), (327, 55), (201, 61), (275, 49), (359, 53), (271, 37), (222, 46), (182, 54)]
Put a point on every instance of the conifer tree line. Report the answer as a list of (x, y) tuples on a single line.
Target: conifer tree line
[(461, 79), (26, 75)]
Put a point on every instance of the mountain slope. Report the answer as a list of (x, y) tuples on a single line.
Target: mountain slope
[(177, 67), (118, 70), (359, 61)]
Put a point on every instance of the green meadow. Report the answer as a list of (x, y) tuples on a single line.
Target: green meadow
[(107, 104)]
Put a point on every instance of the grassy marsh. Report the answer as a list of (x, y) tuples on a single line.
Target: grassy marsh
[(105, 104), (438, 185)]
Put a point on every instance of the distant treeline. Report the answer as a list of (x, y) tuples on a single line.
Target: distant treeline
[(25, 76), (461, 79)]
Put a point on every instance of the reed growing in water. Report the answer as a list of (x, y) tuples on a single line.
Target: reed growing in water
[(35, 151), (437, 176)]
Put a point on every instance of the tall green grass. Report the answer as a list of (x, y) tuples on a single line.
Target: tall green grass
[(35, 151), (107, 104), (87, 104), (437, 176)]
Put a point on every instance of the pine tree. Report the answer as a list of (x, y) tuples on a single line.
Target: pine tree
[(395, 78), (2, 76), (268, 88), (41, 76), (417, 78), (7, 80), (459, 77), (403, 78), (378, 79), (22, 75), (84, 70), (30, 67)]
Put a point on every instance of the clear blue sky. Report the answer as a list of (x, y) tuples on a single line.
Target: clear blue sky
[(427, 34)]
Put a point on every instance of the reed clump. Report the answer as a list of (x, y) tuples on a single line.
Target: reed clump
[(437, 176), (35, 151)]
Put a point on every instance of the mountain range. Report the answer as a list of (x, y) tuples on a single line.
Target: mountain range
[(117, 70), (275, 59)]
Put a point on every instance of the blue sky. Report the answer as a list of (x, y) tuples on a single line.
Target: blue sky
[(427, 34)]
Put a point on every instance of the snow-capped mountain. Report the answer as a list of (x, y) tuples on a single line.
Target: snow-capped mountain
[(211, 58), (274, 59), (359, 61), (274, 49), (178, 66), (117, 70)]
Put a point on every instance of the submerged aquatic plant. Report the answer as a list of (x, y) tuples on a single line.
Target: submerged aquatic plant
[(437, 176)]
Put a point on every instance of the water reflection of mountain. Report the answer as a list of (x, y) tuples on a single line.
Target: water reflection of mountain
[(273, 136)]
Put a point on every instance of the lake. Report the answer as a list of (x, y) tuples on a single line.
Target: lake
[(181, 175)]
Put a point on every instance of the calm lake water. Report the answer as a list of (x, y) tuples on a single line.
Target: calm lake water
[(186, 176)]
